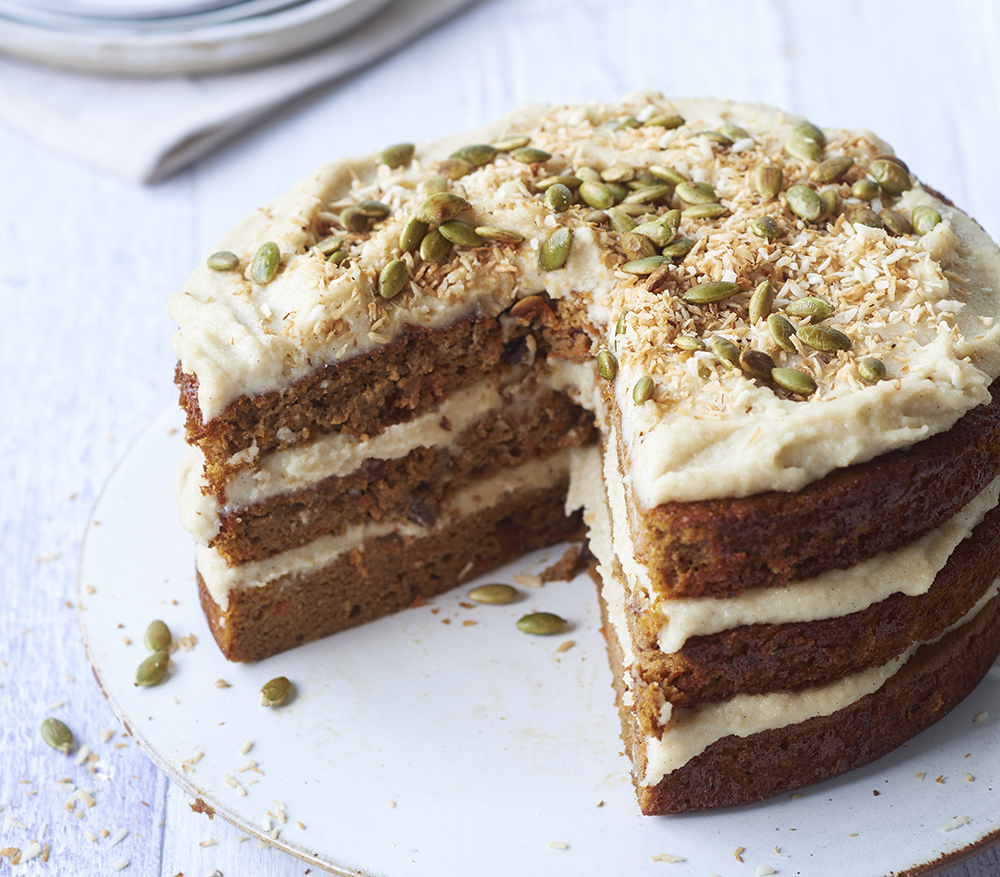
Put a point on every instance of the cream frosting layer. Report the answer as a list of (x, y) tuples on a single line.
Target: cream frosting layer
[(927, 305)]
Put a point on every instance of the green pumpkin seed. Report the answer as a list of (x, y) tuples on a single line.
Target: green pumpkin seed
[(803, 149), (643, 390), (704, 211), (725, 351), (715, 137), (665, 120), (618, 191), (152, 670), (667, 174), (711, 292), (441, 207), (626, 122), (514, 141), (275, 692), (733, 132), (265, 263), (637, 246), (434, 247), (620, 221), (222, 261), (541, 623), (766, 227), (337, 257), (804, 202), (808, 131), (696, 193), (477, 154), (596, 195), (460, 233), (794, 381), (329, 245), (373, 209), (832, 169), (596, 217), (689, 343), (893, 179), (353, 220), (495, 595), (607, 365), (642, 267), (432, 186), (810, 306), (392, 279), (866, 216), (397, 155), (412, 234), (871, 370), (824, 338), (829, 201), (561, 180), (555, 249), (756, 364), (650, 195), (617, 173), (924, 219), (865, 189), (658, 280), (500, 235), (454, 168), (528, 155), (157, 638), (895, 222), (768, 179), (781, 331), (588, 175), (895, 159), (656, 231), (620, 324), (558, 198), (678, 248), (632, 210), (760, 302), (671, 220), (57, 735)]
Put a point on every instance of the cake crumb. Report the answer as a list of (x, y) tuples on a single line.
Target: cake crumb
[(940, 780), (765, 871), (600, 804), (243, 768), (194, 759), (107, 735), (796, 796), (853, 834), (186, 643), (118, 864), (200, 806), (300, 825), (567, 567), (956, 822), (392, 804), (528, 580), (126, 641), (777, 852), (221, 683), (89, 589), (921, 775), (875, 792), (980, 717), (246, 747), (566, 646), (418, 601), (969, 778), (558, 845), (666, 857), (738, 855), (207, 843), (468, 623)]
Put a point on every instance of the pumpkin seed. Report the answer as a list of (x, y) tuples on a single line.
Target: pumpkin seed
[(829, 201), (353, 220), (434, 247), (555, 249), (711, 292), (275, 692), (514, 141), (924, 219), (460, 233), (733, 132), (657, 231), (441, 207), (768, 179), (637, 246), (529, 155), (893, 179), (337, 257), (766, 227), (527, 307), (824, 338), (588, 175), (781, 331), (620, 324), (671, 220), (596, 195), (495, 594), (595, 217), (895, 159), (265, 263), (659, 278), (866, 216), (757, 364), (643, 390), (715, 137), (704, 211), (392, 279), (832, 169), (607, 365), (541, 623), (454, 168), (57, 735), (871, 370), (412, 234), (222, 261), (803, 149), (329, 245), (618, 191), (761, 301), (895, 222), (865, 189), (373, 209), (690, 343), (397, 155), (157, 638), (678, 248), (665, 120), (725, 351), (794, 381), (500, 235), (696, 193), (561, 180), (152, 670), (803, 202), (620, 221), (432, 186), (558, 198), (808, 131), (650, 195), (644, 266), (810, 306), (477, 154), (633, 210), (617, 173), (667, 174)]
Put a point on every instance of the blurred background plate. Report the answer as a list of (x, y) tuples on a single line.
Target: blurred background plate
[(183, 15)]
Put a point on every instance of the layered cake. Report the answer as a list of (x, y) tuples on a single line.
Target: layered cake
[(751, 359)]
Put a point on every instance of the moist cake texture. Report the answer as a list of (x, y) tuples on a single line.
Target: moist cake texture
[(749, 358)]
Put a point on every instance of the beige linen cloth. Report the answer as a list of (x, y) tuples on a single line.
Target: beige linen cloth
[(147, 129)]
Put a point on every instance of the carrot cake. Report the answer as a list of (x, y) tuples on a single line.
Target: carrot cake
[(749, 358)]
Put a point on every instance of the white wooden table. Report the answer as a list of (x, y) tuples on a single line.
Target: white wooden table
[(87, 262)]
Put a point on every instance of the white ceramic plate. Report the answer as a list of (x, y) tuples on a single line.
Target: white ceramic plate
[(495, 748)]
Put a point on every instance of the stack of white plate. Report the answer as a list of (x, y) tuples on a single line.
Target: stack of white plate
[(169, 37)]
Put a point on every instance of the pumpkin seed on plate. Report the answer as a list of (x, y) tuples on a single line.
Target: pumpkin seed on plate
[(222, 261), (657, 231), (794, 381), (555, 249), (541, 623), (57, 735), (157, 638), (275, 692), (153, 669), (265, 263), (493, 594)]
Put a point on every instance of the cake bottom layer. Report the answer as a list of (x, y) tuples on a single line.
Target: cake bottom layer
[(385, 574), (739, 770)]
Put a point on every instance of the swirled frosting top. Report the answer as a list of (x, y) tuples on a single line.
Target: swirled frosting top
[(704, 425)]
